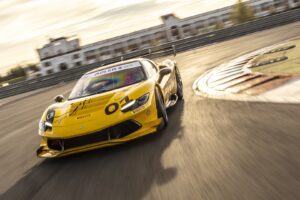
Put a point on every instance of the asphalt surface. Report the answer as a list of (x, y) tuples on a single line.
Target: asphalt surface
[(212, 149)]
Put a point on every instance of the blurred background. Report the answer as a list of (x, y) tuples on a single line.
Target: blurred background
[(243, 144), (83, 24)]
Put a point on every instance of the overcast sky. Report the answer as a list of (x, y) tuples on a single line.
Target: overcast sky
[(26, 24)]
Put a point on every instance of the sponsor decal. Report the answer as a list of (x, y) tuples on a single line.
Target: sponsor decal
[(113, 69), (138, 109), (84, 116)]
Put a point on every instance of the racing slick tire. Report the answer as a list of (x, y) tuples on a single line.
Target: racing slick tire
[(179, 85), (161, 110)]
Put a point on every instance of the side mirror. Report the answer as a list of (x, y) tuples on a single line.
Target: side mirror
[(163, 72), (59, 98)]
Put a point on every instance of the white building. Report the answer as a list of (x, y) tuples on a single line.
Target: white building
[(64, 53), (59, 54)]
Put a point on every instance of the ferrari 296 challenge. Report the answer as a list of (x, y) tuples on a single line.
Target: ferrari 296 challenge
[(110, 105)]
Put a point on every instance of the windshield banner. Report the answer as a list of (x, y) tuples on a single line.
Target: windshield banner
[(113, 69)]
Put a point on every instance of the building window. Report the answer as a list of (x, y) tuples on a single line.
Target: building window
[(49, 71), (78, 64), (119, 49), (200, 26), (187, 29), (265, 7), (105, 53), (278, 3), (212, 21), (75, 56), (90, 55), (132, 45), (146, 43), (47, 64), (175, 32), (160, 37), (63, 66), (225, 18)]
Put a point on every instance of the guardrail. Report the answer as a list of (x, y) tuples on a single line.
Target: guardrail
[(158, 51)]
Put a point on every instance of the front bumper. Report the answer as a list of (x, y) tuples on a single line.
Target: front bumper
[(113, 129), (114, 135)]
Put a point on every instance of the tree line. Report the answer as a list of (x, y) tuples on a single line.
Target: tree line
[(19, 72)]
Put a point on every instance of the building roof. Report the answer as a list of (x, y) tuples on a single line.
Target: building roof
[(57, 39)]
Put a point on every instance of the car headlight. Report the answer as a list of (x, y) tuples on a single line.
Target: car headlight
[(134, 104), (45, 125)]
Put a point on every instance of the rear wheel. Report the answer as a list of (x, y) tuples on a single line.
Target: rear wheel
[(161, 110), (179, 85)]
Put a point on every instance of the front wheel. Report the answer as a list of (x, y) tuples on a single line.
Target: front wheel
[(161, 110)]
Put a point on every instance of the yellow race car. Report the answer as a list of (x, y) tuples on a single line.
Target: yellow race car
[(110, 105)]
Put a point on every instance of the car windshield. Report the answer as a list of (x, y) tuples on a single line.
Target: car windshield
[(108, 79)]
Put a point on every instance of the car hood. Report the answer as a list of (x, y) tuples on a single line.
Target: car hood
[(79, 116)]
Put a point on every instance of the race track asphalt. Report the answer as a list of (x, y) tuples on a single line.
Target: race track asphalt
[(212, 149)]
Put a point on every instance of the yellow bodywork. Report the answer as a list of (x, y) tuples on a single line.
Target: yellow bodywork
[(75, 118)]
